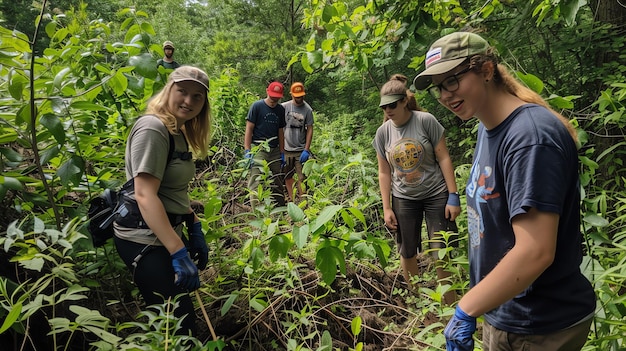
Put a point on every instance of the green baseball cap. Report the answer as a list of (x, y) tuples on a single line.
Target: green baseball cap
[(448, 52)]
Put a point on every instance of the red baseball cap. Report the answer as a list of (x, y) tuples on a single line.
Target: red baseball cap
[(275, 90)]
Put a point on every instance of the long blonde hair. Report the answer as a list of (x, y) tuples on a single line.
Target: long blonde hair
[(396, 85), (505, 80), (197, 130)]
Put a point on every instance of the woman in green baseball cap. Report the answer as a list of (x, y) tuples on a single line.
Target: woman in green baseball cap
[(523, 206)]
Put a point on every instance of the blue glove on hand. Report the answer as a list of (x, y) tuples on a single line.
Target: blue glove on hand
[(283, 163), (186, 271), (454, 199), (198, 248), (304, 156), (459, 331), (248, 156)]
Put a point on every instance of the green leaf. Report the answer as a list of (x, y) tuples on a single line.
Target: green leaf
[(569, 9), (295, 213), (325, 215), (279, 247), (71, 171), (228, 304), (54, 126), (11, 154), (534, 83), (327, 260), (17, 86), (326, 342), (11, 183), (87, 106), (145, 65), (596, 220), (12, 317), (356, 325), (300, 235), (59, 77)]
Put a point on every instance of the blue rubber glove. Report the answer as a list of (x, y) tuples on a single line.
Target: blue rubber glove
[(186, 271), (304, 156), (454, 199), (197, 246), (459, 331), (283, 163), (248, 156)]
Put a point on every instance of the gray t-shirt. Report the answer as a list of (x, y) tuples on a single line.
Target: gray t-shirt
[(146, 152), (410, 151), (297, 119)]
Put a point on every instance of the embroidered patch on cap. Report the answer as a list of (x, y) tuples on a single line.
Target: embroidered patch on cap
[(433, 56)]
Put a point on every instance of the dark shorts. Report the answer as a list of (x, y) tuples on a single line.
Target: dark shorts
[(410, 215)]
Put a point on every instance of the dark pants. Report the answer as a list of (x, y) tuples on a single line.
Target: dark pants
[(154, 276)]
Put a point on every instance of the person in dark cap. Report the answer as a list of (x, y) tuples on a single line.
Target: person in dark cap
[(523, 206), (416, 177), (159, 166), (168, 59), (298, 138), (265, 125)]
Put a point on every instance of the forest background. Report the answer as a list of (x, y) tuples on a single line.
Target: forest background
[(322, 273)]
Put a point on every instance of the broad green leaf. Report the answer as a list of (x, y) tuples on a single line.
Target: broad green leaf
[(327, 214), (305, 64), (531, 81), (11, 183), (70, 172), (569, 9), (295, 213), (17, 85), (118, 83), (279, 247), (145, 65), (49, 153), (326, 342), (54, 126), (327, 260), (300, 235)]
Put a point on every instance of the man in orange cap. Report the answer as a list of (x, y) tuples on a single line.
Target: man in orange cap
[(264, 125), (298, 136)]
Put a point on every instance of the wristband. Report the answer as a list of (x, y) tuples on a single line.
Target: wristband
[(454, 199)]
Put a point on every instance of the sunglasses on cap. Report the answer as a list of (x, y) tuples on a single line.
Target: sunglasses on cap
[(391, 106)]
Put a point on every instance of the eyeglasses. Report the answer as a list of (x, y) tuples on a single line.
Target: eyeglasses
[(450, 84), (391, 106)]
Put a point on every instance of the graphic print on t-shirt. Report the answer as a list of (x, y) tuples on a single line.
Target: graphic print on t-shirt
[(406, 157), (477, 194)]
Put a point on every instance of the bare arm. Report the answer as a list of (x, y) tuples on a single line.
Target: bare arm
[(281, 139), (445, 163), (309, 137), (384, 181), (247, 141), (533, 252), (153, 211)]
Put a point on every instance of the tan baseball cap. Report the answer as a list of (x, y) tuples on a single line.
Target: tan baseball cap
[(190, 73)]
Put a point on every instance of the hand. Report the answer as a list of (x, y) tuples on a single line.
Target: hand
[(198, 248), (304, 156), (248, 156), (186, 272), (459, 331), (391, 222), (283, 163)]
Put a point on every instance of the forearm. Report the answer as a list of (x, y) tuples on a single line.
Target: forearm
[(448, 174), (281, 139), (309, 137), (247, 140), (155, 216)]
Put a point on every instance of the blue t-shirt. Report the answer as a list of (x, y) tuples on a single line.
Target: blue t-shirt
[(528, 161), (267, 121)]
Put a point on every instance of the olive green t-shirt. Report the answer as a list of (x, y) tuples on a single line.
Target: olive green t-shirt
[(147, 149)]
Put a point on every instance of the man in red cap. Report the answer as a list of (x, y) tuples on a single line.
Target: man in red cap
[(264, 141), (298, 137)]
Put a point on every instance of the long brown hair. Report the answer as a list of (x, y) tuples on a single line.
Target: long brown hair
[(396, 85), (505, 80)]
